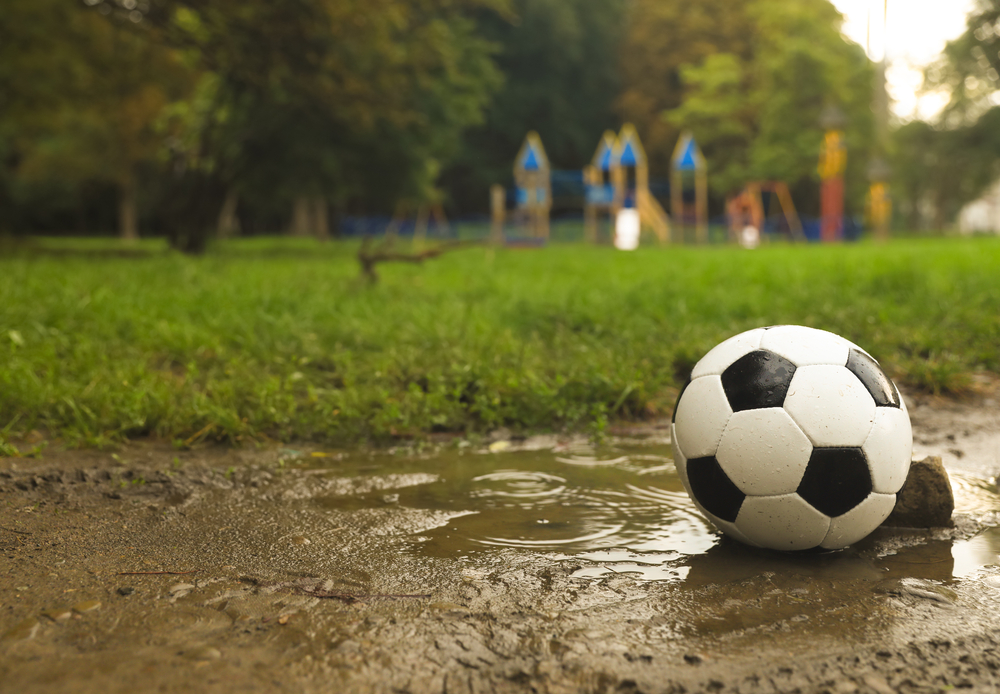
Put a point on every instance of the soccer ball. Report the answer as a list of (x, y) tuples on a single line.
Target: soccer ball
[(791, 438)]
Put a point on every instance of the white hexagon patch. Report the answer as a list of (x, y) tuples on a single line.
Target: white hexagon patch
[(680, 462), (782, 522), (726, 352), (860, 521), (702, 414), (830, 405), (889, 449), (764, 452), (806, 346)]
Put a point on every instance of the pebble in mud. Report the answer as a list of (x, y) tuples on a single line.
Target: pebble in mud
[(87, 606), (180, 590), (917, 588), (203, 653), (22, 631), (58, 614)]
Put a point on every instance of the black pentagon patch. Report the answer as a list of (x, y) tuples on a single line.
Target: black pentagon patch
[(836, 480), (882, 389), (756, 380), (673, 417), (713, 489)]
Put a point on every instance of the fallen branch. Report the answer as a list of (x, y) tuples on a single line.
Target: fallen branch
[(369, 257)]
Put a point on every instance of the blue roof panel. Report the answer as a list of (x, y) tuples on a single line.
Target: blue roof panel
[(628, 157), (687, 161), (604, 163), (531, 160)]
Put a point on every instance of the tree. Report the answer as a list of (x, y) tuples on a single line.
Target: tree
[(969, 67), (559, 60), (83, 96), (662, 38), (750, 80), (940, 166), (330, 100)]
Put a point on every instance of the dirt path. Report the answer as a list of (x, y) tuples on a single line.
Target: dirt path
[(271, 590)]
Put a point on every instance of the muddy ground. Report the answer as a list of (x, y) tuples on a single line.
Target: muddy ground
[(218, 570)]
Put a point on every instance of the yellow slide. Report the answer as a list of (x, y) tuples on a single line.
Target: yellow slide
[(652, 214)]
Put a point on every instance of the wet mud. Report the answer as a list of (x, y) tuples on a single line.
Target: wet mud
[(538, 565)]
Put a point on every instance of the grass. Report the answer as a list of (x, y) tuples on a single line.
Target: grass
[(272, 338)]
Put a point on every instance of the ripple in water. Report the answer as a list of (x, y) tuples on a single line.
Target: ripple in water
[(615, 513), (626, 512)]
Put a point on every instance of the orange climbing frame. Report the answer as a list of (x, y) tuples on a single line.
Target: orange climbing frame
[(748, 208)]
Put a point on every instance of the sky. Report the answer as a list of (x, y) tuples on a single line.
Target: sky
[(916, 32)]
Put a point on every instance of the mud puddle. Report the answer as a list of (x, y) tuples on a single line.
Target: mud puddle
[(551, 566), (623, 511)]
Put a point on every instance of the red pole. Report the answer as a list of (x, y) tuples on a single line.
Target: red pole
[(832, 209)]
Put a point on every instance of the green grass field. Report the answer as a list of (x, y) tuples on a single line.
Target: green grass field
[(279, 339)]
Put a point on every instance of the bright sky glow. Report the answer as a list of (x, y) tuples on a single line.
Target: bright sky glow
[(915, 34)]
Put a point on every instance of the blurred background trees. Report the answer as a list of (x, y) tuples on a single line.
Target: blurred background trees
[(186, 117), (940, 166)]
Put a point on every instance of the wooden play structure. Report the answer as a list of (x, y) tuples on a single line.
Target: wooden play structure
[(878, 206), (532, 176), (426, 213), (748, 209), (598, 186), (630, 182), (879, 209), (832, 162), (686, 166)]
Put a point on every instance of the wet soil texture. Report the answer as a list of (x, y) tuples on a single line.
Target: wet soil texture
[(542, 565)]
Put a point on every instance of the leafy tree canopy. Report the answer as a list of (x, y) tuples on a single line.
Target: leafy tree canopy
[(750, 81)]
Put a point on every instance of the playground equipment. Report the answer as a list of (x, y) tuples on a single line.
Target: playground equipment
[(879, 204), (832, 161), (747, 209), (629, 154), (425, 213), (688, 163), (533, 179), (598, 185)]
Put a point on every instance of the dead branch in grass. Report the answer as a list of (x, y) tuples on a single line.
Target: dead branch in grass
[(369, 257)]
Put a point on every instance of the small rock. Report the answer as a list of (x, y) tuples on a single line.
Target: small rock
[(203, 653), (917, 588), (22, 631), (301, 540), (58, 614), (87, 606), (125, 591), (926, 500)]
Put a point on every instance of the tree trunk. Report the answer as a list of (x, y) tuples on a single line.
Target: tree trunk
[(301, 216), (229, 223), (321, 227), (128, 228)]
